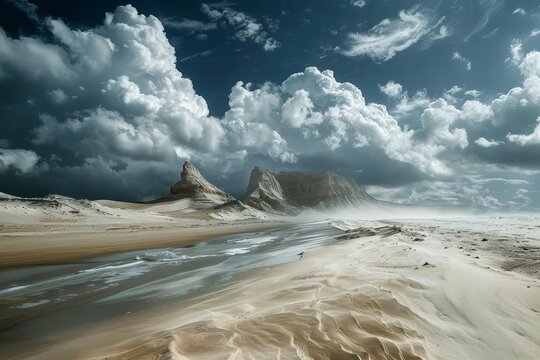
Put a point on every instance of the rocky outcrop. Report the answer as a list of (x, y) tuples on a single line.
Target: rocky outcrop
[(193, 185), (291, 192)]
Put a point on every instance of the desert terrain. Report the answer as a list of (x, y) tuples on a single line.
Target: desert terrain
[(324, 272)]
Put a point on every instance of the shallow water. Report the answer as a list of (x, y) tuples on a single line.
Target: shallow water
[(38, 300)]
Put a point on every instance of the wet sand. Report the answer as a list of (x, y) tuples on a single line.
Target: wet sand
[(42, 244)]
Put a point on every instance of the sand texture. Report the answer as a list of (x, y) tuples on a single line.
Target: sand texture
[(411, 289)]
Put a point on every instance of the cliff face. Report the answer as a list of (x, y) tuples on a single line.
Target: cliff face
[(290, 192), (192, 185)]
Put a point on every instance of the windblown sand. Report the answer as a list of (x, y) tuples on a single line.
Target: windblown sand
[(48, 232), (412, 289)]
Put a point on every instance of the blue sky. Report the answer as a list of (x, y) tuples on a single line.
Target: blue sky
[(422, 102)]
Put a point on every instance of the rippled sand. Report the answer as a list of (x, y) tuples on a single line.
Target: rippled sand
[(407, 290)]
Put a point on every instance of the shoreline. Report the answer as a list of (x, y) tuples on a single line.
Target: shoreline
[(34, 247)]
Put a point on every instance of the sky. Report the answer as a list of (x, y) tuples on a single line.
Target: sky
[(434, 102)]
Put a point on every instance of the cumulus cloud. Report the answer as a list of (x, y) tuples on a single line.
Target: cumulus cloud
[(437, 122), (248, 123), (475, 111), (246, 27), (530, 65), (317, 112), (519, 11), (32, 58), (383, 41), (116, 91), (298, 111), (391, 89), (485, 143), (109, 103)]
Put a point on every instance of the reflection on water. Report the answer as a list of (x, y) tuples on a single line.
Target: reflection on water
[(112, 285)]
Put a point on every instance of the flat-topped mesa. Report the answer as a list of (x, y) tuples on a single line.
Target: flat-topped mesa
[(193, 184), (271, 190)]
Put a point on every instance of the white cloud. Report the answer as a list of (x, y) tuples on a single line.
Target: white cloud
[(473, 93), (298, 111), (475, 111), (32, 58), (123, 109), (519, 11), (528, 139), (530, 64), (410, 105), (246, 27), (457, 56), (249, 125), (358, 3), (534, 32), (391, 89), (383, 41), (93, 49), (23, 161), (131, 100), (450, 94), (516, 50), (454, 90), (485, 143), (437, 122), (312, 111)]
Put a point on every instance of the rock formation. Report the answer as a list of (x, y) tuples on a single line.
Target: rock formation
[(291, 192), (193, 185)]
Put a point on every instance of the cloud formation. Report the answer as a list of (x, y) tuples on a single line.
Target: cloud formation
[(391, 89), (28, 8), (358, 3), (108, 104), (22, 161), (457, 56), (246, 27), (383, 41)]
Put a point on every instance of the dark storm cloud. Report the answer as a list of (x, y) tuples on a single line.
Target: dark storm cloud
[(28, 8)]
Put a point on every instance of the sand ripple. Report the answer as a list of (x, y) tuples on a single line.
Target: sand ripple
[(330, 323)]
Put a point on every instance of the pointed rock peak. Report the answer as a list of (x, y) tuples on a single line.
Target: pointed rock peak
[(190, 173), (192, 184)]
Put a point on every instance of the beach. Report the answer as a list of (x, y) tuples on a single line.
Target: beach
[(441, 288)]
